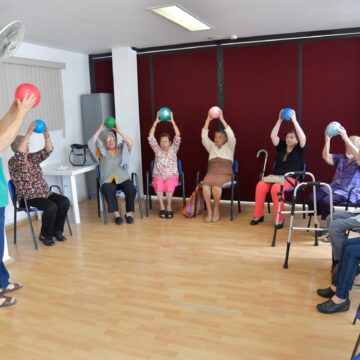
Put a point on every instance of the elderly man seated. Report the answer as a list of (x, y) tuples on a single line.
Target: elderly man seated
[(113, 175)]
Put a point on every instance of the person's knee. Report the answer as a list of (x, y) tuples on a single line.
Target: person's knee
[(275, 189), (131, 191), (51, 209), (65, 203)]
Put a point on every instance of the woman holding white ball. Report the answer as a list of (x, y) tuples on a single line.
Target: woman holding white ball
[(347, 174), (221, 157)]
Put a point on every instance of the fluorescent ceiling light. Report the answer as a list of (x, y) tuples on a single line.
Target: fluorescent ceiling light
[(181, 17)]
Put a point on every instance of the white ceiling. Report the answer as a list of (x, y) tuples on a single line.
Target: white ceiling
[(91, 26)]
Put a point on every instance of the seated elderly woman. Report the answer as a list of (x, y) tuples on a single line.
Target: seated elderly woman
[(221, 157), (26, 174), (289, 158), (113, 175), (347, 175)]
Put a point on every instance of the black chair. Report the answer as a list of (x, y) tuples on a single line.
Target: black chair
[(232, 184), (290, 191), (18, 201), (149, 184), (100, 196)]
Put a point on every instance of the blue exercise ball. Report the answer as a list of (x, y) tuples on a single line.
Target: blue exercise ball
[(333, 128), (40, 126), (286, 114), (164, 114)]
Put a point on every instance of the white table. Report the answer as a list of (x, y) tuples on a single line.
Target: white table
[(71, 172)]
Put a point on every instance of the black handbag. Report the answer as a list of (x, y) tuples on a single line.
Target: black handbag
[(79, 155)]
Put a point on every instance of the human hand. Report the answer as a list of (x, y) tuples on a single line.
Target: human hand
[(26, 103), (342, 132), (31, 128), (293, 116)]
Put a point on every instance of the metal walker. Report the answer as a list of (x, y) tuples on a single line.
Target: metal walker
[(314, 184)]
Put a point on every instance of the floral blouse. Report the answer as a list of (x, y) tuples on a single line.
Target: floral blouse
[(28, 177), (165, 161)]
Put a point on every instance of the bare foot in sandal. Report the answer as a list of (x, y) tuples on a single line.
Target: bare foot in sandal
[(6, 301), (10, 288)]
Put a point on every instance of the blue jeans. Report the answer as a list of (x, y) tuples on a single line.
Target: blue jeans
[(4, 275), (344, 279)]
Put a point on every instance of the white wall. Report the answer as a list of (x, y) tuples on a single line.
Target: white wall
[(75, 81), (127, 102)]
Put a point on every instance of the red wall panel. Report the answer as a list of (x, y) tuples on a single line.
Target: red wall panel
[(186, 82), (258, 82), (103, 74), (331, 88)]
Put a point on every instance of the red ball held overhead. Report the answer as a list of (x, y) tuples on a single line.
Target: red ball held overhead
[(29, 89)]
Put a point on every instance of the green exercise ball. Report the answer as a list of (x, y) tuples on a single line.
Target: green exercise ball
[(110, 122)]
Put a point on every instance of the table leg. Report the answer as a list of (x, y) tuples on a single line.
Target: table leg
[(75, 202)]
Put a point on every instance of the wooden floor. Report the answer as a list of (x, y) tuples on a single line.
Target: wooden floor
[(172, 289)]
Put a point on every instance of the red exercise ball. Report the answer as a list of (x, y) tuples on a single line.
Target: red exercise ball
[(30, 89)]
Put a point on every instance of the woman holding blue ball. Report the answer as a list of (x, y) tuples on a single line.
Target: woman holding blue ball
[(347, 174), (290, 157), (26, 174)]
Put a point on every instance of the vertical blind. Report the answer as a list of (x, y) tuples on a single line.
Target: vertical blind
[(46, 76)]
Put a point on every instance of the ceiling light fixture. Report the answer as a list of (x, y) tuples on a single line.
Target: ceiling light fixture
[(180, 16)]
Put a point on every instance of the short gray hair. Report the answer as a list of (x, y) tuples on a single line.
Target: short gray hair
[(16, 143)]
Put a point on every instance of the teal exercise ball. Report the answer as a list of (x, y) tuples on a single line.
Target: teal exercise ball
[(333, 128), (164, 114)]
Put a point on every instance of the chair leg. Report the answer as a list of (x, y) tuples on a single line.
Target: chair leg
[(31, 229), (98, 203), (147, 195), (104, 209), (15, 220), (232, 202), (238, 197), (140, 203), (183, 189), (69, 226)]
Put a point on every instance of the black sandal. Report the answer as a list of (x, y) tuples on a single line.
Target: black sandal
[(163, 214), (169, 214)]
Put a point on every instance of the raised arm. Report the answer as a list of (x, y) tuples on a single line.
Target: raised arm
[(329, 159), (353, 148), (299, 131), (230, 134), (13, 119), (48, 143), (153, 127), (25, 140), (275, 132), (176, 129), (127, 140), (95, 137), (205, 134)]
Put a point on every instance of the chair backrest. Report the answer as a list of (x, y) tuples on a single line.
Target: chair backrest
[(235, 167), (12, 192)]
